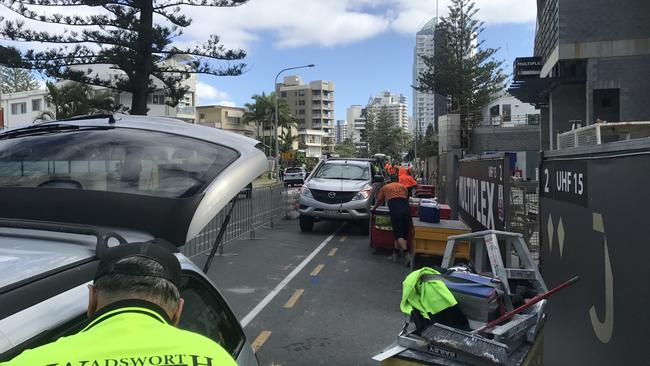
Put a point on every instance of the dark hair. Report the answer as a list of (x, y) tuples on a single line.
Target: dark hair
[(394, 178), (115, 287)]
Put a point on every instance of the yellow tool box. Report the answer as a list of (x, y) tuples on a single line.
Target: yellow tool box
[(431, 239)]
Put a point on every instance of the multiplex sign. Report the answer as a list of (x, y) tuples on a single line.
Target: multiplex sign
[(593, 223), (527, 67), (482, 193)]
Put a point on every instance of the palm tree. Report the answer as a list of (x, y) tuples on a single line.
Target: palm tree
[(262, 113), (72, 99), (287, 139)]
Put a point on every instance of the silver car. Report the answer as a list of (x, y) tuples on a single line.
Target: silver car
[(293, 176), (70, 187), (340, 189)]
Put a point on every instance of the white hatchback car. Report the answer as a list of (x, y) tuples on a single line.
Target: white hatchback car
[(69, 188)]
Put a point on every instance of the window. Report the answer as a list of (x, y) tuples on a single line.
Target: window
[(19, 108), (117, 160), (206, 313), (506, 112), (283, 94), (158, 99), (202, 115), (36, 104), (301, 93), (301, 102), (301, 111)]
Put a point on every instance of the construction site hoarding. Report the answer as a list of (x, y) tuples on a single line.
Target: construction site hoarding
[(594, 220), (483, 192)]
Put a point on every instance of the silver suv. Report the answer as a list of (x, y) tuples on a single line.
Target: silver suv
[(70, 187), (340, 189)]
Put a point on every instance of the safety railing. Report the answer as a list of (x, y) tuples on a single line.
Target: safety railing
[(253, 209)]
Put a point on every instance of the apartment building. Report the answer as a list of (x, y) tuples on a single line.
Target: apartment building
[(396, 104), (21, 109), (427, 107), (591, 63), (225, 118), (313, 106), (356, 120), (341, 131)]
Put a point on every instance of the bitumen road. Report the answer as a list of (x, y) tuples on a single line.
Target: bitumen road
[(320, 298)]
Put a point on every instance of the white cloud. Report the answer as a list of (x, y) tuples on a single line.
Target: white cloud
[(326, 23), (209, 95), (227, 103)]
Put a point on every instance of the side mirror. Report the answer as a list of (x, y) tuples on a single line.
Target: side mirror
[(378, 179)]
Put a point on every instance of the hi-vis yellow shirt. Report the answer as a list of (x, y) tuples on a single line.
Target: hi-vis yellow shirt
[(128, 333)]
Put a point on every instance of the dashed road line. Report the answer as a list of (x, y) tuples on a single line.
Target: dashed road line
[(332, 252), (259, 341), (343, 238), (317, 270), (294, 298), (266, 300)]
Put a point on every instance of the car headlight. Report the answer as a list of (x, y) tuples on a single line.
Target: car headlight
[(363, 194), (304, 191)]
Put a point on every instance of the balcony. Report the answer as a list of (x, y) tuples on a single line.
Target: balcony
[(513, 121)]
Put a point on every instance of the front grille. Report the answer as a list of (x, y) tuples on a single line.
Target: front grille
[(339, 197)]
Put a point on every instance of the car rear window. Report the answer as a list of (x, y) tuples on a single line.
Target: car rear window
[(116, 160), (294, 170)]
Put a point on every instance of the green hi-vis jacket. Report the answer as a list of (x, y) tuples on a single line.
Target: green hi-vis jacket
[(128, 333), (427, 297)]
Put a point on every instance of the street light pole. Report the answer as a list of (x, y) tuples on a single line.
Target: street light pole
[(275, 115)]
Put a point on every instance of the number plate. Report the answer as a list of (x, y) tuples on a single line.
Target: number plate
[(330, 212)]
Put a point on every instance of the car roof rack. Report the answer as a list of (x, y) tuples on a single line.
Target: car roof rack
[(110, 117), (103, 236)]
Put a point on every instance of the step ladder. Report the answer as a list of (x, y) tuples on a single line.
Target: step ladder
[(491, 242)]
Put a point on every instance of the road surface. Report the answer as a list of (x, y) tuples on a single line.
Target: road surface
[(323, 298)]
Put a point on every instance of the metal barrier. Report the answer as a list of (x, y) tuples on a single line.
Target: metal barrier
[(523, 213), (254, 208)]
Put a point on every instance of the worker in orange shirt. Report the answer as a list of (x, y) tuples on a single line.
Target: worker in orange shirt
[(408, 181), (396, 196)]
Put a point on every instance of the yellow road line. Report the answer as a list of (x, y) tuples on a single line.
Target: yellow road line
[(343, 238), (317, 270), (293, 298), (259, 341), (332, 252)]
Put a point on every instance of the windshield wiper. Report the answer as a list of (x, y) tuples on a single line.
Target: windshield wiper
[(49, 128)]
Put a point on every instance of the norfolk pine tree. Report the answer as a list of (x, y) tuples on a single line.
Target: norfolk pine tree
[(16, 80), (122, 34), (461, 68)]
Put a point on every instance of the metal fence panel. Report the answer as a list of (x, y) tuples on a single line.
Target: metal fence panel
[(523, 213), (254, 209)]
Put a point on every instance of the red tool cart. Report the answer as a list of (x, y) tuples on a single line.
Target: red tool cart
[(425, 191), (381, 233)]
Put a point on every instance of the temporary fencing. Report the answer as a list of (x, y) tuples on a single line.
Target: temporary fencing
[(253, 209)]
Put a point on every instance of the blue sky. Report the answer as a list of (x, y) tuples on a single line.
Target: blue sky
[(359, 70), (363, 46)]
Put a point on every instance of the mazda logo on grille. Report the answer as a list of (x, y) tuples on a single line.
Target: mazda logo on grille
[(331, 195)]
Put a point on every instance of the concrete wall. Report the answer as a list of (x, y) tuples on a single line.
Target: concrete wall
[(566, 103), (629, 74), (603, 20), (520, 138)]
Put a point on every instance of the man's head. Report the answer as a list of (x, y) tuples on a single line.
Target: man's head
[(394, 178), (141, 271)]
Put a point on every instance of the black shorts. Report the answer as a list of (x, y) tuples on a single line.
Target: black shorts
[(400, 217)]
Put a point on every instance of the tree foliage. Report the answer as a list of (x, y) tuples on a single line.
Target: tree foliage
[(261, 112), (461, 68), (123, 35), (71, 99), (429, 143), (345, 149), (384, 134), (13, 80)]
